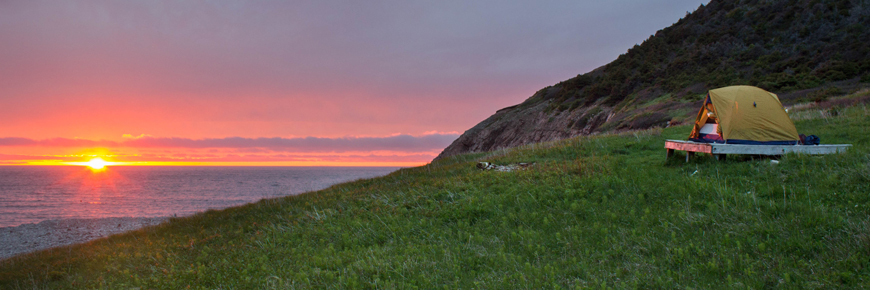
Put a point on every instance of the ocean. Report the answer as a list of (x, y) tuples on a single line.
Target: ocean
[(31, 194)]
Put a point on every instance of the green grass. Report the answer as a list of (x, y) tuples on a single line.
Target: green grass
[(593, 212)]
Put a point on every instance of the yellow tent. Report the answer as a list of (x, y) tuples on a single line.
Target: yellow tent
[(743, 115)]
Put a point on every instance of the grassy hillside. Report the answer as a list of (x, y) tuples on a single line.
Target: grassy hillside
[(596, 212)]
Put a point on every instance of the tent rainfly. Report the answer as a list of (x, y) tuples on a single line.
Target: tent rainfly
[(743, 115)]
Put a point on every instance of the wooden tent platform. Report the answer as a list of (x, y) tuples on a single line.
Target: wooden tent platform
[(719, 151)]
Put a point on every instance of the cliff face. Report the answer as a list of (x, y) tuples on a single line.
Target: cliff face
[(804, 50), (515, 126), (535, 121)]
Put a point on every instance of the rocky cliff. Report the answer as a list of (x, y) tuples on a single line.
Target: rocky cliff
[(805, 50)]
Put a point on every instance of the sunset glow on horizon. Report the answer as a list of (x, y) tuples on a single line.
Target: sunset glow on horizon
[(311, 163), (394, 151), (323, 83)]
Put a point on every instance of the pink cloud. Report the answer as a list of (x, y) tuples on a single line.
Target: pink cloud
[(99, 69)]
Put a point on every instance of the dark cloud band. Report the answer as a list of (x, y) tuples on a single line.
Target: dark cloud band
[(404, 142)]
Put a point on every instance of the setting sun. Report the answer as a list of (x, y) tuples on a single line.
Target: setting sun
[(97, 163)]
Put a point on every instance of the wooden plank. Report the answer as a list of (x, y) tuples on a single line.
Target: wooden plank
[(688, 146), (720, 150), (777, 149)]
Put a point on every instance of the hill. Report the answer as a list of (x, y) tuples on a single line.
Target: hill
[(592, 212), (804, 50)]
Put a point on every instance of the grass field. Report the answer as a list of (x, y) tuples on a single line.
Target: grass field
[(592, 212)]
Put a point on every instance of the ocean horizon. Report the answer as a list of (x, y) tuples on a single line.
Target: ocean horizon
[(32, 194)]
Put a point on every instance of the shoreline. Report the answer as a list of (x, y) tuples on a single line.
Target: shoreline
[(47, 234)]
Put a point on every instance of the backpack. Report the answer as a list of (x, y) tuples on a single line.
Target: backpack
[(812, 140)]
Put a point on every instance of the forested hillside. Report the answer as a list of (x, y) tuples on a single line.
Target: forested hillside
[(804, 50)]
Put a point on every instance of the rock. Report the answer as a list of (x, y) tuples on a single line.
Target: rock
[(502, 168), (483, 165)]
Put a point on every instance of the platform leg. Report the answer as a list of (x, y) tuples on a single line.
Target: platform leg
[(720, 157), (689, 155), (670, 153)]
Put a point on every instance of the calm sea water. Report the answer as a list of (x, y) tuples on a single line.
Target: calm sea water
[(31, 194)]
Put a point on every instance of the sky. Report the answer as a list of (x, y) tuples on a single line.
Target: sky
[(311, 83)]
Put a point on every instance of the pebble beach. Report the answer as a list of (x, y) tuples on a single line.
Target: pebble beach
[(28, 238)]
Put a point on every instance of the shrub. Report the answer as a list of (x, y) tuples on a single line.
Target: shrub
[(835, 75), (823, 95)]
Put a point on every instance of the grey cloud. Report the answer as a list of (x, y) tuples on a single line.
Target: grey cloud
[(221, 46)]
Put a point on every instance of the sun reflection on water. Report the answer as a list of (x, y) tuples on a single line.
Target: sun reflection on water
[(99, 182)]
